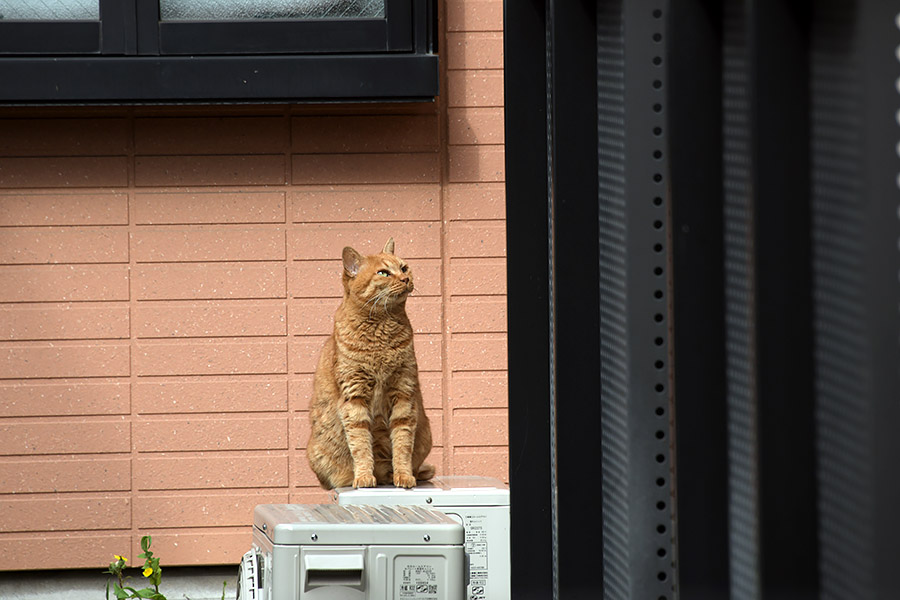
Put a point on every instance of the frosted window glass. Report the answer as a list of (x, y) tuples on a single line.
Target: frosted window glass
[(49, 10), (240, 10)]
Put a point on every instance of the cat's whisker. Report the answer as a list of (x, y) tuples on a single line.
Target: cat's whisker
[(382, 294), (374, 305), (373, 299)]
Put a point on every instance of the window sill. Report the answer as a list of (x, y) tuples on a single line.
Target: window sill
[(219, 79)]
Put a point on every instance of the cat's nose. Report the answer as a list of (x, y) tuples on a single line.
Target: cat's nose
[(405, 280)]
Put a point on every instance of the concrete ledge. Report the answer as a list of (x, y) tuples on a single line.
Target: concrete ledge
[(178, 583)]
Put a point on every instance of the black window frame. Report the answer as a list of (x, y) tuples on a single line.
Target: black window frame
[(58, 37), (105, 35), (319, 36), (132, 56)]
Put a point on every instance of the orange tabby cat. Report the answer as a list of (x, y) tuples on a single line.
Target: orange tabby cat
[(368, 423)]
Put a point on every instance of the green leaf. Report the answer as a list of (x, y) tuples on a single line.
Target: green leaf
[(145, 542), (107, 589), (120, 594)]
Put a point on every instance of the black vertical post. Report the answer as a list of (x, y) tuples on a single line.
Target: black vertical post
[(769, 346), (116, 23), (778, 46), (573, 93), (856, 258), (695, 124), (528, 305), (879, 32), (553, 270), (147, 33)]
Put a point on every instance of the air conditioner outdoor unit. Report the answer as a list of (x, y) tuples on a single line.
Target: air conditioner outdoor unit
[(330, 552), (481, 504)]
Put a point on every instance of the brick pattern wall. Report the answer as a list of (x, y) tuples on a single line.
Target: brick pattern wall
[(167, 278), (475, 244)]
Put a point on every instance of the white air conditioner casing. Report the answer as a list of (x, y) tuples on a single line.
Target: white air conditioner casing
[(481, 504), (329, 552)]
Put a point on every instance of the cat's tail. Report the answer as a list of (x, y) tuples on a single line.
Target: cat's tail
[(425, 472)]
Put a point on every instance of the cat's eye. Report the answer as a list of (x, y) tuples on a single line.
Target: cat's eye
[(404, 268), (384, 273)]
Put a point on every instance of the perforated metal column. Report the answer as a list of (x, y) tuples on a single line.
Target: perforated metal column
[(588, 260), (634, 300), (748, 169)]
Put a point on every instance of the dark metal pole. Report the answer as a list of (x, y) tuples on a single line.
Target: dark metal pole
[(695, 125), (573, 99), (528, 301)]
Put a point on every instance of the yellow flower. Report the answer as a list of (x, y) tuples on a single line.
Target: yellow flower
[(148, 571), (122, 558)]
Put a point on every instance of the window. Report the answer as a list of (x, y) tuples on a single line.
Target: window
[(61, 26), (222, 50)]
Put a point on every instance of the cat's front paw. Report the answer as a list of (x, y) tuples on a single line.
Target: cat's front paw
[(404, 481), (364, 481)]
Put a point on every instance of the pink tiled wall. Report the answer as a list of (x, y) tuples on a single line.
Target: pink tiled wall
[(168, 275)]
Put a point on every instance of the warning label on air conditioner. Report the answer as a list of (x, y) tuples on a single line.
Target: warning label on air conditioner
[(419, 578), (477, 550), (477, 589), (476, 542)]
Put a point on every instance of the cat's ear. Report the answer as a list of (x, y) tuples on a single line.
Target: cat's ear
[(389, 247), (352, 261)]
